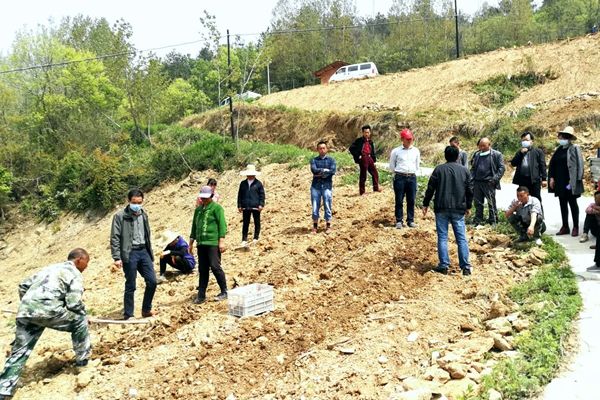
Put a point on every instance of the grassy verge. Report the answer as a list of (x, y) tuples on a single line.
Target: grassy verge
[(551, 301)]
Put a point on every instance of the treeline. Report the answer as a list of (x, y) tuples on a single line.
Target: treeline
[(73, 135)]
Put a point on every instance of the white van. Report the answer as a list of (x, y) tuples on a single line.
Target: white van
[(354, 71)]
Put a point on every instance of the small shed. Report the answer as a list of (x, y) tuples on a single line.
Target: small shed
[(327, 71)]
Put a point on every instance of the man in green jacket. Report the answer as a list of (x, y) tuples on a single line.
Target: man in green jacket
[(208, 229), (49, 299)]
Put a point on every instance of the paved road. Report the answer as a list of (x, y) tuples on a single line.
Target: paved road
[(581, 379)]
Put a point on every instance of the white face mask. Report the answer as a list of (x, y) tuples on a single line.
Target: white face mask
[(525, 143), (563, 142), (485, 153)]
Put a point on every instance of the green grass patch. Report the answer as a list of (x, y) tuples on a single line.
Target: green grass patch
[(551, 301), (500, 90)]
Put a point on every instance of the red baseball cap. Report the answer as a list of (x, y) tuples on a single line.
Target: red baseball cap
[(406, 134)]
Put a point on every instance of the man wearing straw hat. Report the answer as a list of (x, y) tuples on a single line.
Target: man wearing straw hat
[(250, 202), (176, 254)]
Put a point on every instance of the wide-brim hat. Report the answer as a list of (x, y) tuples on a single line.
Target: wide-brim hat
[(168, 236), (250, 171), (205, 193), (569, 132)]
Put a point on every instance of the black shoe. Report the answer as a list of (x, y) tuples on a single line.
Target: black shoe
[(199, 300), (5, 397), (441, 270), (466, 272), (81, 363)]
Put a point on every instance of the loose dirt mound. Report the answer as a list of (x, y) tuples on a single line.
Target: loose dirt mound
[(363, 290), (447, 86)]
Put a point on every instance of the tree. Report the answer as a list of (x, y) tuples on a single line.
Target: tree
[(181, 99)]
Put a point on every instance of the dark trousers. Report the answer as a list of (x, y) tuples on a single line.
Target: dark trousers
[(405, 186), (590, 224), (246, 223), (139, 261), (597, 252), (565, 202), (177, 262), (485, 191), (209, 259), (367, 164), (520, 224)]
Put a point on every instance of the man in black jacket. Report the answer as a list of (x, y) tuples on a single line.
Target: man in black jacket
[(453, 188), (363, 152), (531, 166), (250, 202)]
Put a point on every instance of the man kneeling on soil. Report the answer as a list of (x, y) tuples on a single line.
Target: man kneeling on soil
[(525, 215), (49, 299), (176, 254)]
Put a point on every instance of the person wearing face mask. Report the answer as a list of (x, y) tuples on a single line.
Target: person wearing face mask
[(530, 163), (250, 202), (487, 169), (565, 173), (132, 250)]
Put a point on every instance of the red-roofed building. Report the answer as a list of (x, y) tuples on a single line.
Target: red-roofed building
[(327, 71)]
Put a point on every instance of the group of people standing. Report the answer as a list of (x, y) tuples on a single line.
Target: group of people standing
[(52, 298)]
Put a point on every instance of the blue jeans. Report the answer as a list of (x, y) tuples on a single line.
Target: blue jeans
[(442, 219), (139, 260), (405, 185), (316, 194)]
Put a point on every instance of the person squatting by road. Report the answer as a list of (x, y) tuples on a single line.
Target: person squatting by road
[(132, 250), (250, 202), (52, 298), (323, 167), (526, 216), (453, 189)]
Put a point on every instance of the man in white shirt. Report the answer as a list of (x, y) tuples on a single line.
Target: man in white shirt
[(405, 163)]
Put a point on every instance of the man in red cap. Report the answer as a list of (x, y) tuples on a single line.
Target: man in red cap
[(405, 163)]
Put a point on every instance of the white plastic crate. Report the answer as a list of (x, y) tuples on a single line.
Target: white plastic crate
[(251, 299)]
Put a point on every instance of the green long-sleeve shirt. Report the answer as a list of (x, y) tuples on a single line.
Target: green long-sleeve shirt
[(209, 224)]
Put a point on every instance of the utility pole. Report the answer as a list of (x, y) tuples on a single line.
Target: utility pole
[(268, 79), (229, 89), (456, 26)]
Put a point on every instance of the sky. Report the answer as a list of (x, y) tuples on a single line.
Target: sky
[(166, 23)]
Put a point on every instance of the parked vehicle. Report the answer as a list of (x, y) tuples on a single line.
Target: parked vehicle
[(355, 71)]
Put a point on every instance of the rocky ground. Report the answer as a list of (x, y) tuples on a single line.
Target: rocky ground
[(358, 314)]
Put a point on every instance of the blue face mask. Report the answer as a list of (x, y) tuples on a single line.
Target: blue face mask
[(136, 208), (485, 153), (563, 142), (525, 143)]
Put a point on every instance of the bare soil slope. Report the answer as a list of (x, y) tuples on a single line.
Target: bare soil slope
[(358, 314)]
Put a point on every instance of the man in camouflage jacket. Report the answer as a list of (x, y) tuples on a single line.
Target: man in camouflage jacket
[(49, 299)]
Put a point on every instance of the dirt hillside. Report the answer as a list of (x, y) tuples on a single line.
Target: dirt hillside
[(447, 86), (358, 314)]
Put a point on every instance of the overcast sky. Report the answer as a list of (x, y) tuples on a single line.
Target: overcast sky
[(165, 23)]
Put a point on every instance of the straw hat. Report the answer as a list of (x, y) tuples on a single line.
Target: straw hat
[(250, 171), (169, 236), (569, 132)]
